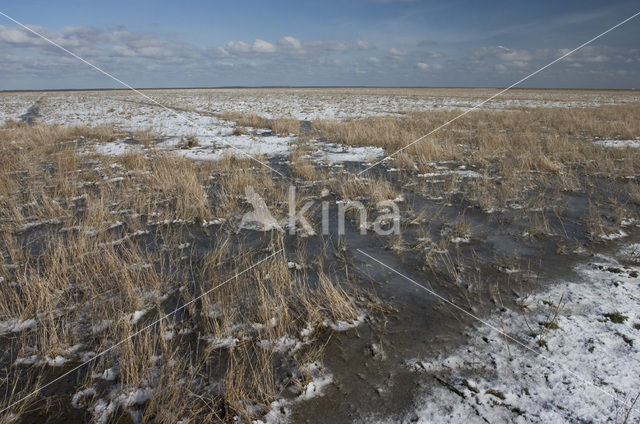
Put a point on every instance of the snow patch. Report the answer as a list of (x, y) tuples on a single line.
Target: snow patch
[(591, 349), (618, 144)]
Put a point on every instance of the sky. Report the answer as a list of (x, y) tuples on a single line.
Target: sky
[(318, 43)]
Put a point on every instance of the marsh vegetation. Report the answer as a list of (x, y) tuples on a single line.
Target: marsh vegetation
[(143, 255)]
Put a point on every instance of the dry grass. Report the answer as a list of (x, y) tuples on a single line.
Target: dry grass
[(231, 179), (519, 154), (284, 126), (246, 119), (111, 238), (544, 140), (279, 126), (373, 189), (301, 166), (145, 137), (181, 194)]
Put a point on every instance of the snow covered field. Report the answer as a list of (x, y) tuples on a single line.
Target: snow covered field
[(196, 113), (127, 108), (185, 116), (579, 360)]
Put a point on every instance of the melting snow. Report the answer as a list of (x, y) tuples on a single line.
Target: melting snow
[(618, 143), (14, 325), (585, 370)]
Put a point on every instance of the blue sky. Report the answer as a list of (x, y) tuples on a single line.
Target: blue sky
[(330, 42)]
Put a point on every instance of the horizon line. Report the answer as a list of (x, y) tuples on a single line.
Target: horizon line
[(31, 90)]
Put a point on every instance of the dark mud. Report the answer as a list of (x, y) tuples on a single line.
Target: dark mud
[(370, 376), (32, 114)]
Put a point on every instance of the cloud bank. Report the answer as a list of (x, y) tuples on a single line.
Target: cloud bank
[(146, 59)]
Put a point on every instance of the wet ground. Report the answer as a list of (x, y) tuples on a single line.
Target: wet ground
[(369, 364)]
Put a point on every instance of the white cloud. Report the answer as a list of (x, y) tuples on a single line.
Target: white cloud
[(290, 43), (363, 45), (500, 67), (17, 36), (131, 54), (600, 54), (238, 47), (216, 51), (505, 56), (329, 45), (154, 52), (261, 46), (429, 66), (69, 37), (510, 55), (293, 45), (124, 51), (597, 59), (519, 63)]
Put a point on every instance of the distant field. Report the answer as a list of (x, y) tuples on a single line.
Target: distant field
[(300, 103), (522, 217)]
